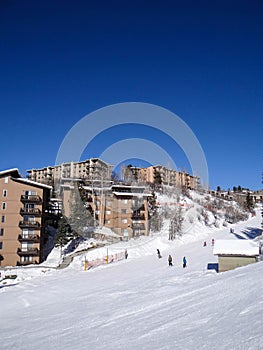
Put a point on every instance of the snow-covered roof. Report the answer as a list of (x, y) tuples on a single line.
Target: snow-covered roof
[(7, 171), (235, 247), (33, 183)]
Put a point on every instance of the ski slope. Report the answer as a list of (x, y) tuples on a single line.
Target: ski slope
[(139, 303)]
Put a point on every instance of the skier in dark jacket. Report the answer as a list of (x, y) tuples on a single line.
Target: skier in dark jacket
[(184, 262), (158, 253), (170, 260)]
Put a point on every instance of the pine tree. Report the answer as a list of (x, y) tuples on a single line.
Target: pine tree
[(63, 233), (176, 223), (249, 202), (80, 218)]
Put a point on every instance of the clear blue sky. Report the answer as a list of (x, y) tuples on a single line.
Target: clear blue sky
[(202, 60)]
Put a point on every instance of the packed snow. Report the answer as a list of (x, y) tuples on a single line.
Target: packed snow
[(138, 303)]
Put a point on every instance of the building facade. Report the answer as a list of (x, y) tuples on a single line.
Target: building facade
[(86, 170), (122, 208), (23, 213), (165, 176)]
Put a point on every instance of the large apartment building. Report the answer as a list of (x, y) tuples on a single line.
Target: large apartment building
[(153, 174), (86, 170), (23, 213), (122, 208)]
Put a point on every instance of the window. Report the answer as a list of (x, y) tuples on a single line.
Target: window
[(1, 245), (125, 201), (3, 218), (108, 212), (123, 211), (124, 221), (6, 180), (1, 231), (107, 222), (4, 193), (3, 206)]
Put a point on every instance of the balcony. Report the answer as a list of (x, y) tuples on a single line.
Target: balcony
[(29, 238), (138, 216), (30, 211), (138, 226), (28, 198), (28, 252), (29, 224)]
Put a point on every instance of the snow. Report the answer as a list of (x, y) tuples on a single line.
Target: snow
[(7, 171), (138, 303), (34, 183), (236, 247)]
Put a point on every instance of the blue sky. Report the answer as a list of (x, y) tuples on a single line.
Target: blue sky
[(202, 60)]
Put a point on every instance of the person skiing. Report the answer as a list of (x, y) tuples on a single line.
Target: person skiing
[(159, 254), (126, 254), (204, 244), (213, 241), (170, 260), (184, 262)]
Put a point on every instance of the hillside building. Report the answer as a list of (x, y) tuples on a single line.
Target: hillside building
[(24, 213)]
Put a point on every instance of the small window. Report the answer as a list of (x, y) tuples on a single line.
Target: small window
[(108, 212), (107, 222), (6, 180), (124, 211), (1, 245), (4, 193), (3, 206), (125, 201), (3, 218), (1, 231), (124, 221)]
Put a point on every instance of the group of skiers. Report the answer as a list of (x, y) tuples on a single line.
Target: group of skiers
[(170, 259)]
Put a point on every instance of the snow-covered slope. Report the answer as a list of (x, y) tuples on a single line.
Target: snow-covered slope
[(139, 303)]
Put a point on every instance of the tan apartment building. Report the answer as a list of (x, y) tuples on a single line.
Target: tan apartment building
[(122, 208), (169, 177), (86, 170), (23, 206)]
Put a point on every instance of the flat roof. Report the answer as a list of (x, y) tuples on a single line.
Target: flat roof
[(243, 247)]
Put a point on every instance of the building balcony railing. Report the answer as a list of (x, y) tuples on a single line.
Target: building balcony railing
[(31, 198), (28, 251), (138, 216), (30, 211), (29, 224), (29, 238), (138, 226)]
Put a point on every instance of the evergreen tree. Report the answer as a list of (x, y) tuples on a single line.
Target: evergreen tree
[(176, 223), (80, 218), (249, 202), (63, 233)]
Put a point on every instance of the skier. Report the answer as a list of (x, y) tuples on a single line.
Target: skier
[(184, 262), (170, 260), (126, 254), (204, 244), (213, 241), (159, 254)]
